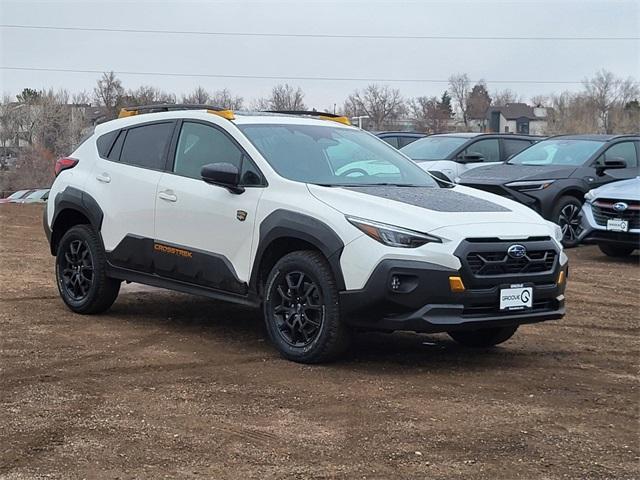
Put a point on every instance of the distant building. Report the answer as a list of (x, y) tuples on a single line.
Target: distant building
[(516, 118)]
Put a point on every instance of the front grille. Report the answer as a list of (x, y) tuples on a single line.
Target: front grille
[(603, 210), (483, 264), (495, 189)]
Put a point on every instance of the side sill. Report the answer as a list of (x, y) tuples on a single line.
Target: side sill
[(119, 273)]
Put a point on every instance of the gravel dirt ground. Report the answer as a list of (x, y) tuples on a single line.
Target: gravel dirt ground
[(167, 385)]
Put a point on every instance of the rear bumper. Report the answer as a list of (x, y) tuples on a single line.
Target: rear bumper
[(423, 302)]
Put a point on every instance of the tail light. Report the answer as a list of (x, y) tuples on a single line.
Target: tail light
[(65, 163)]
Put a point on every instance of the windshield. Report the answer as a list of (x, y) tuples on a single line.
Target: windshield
[(333, 156), (557, 152), (432, 148)]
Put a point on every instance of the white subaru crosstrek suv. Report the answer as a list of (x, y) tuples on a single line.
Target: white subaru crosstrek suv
[(326, 227)]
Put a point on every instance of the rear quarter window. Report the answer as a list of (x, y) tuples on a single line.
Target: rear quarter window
[(105, 142)]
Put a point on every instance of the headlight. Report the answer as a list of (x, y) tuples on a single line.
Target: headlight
[(557, 231), (391, 235), (589, 196), (530, 185)]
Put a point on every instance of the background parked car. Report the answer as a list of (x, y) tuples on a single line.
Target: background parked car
[(37, 196), (452, 154), (553, 175), (15, 196), (611, 217), (400, 139)]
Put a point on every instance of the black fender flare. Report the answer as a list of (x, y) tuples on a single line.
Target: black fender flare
[(283, 223), (72, 198)]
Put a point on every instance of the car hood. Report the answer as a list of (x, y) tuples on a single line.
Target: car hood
[(621, 190), (428, 209), (505, 173)]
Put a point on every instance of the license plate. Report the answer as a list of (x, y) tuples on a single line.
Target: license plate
[(516, 298), (617, 225)]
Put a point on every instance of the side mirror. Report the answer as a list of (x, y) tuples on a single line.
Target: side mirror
[(616, 162), (224, 175), (470, 158)]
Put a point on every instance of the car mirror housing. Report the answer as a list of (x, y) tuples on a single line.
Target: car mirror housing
[(470, 158), (224, 175), (616, 162)]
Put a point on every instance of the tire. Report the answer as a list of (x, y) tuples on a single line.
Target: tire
[(616, 250), (567, 214), (80, 272), (483, 338), (302, 311)]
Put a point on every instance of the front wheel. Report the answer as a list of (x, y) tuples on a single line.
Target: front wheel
[(568, 215), (301, 309), (486, 337), (80, 272), (616, 250)]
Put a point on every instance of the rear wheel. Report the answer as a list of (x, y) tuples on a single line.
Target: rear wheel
[(568, 215), (616, 250), (486, 337), (301, 309), (80, 272)]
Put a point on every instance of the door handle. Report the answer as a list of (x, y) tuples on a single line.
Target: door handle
[(168, 195), (104, 178)]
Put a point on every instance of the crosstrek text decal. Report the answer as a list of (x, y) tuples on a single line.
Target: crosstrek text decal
[(158, 247)]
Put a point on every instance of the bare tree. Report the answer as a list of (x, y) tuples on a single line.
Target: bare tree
[(225, 99), (459, 86), (147, 95), (199, 96), (380, 102), (431, 115), (609, 93), (540, 100), (286, 97), (108, 94), (478, 103), (500, 98)]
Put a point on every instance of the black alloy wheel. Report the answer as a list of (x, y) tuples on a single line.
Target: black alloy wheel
[(568, 215), (76, 270), (299, 310)]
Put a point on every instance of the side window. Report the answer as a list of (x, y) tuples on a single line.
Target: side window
[(146, 146), (488, 148), (511, 146), (393, 141), (114, 153), (201, 144), (105, 142), (625, 151), (404, 141), (250, 176)]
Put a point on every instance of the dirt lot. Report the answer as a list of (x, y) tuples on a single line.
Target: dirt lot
[(168, 385)]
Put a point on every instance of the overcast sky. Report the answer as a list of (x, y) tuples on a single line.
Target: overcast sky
[(371, 58)]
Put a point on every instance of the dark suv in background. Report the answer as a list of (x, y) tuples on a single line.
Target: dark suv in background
[(553, 175), (399, 139)]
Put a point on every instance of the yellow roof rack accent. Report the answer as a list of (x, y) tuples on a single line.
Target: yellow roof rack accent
[(228, 114), (125, 112), (332, 117), (342, 119), (167, 107)]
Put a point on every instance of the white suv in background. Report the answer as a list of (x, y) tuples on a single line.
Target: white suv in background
[(323, 225)]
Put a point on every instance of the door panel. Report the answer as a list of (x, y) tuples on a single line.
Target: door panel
[(209, 242), (204, 233)]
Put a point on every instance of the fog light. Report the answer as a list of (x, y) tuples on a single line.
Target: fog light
[(561, 277), (395, 282), (456, 284)]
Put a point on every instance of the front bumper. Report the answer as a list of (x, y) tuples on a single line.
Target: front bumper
[(424, 302), (592, 232)]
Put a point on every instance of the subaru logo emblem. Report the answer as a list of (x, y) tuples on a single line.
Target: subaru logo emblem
[(620, 206), (517, 251)]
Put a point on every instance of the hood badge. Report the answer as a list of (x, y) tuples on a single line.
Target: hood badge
[(620, 206), (516, 251)]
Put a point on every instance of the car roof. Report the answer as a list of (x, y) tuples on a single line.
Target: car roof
[(596, 137), (241, 118), (484, 134), (400, 133)]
